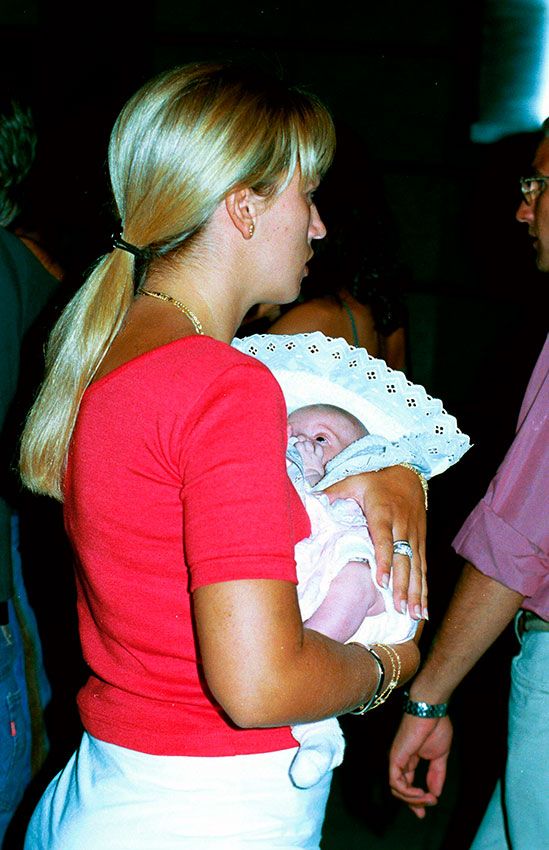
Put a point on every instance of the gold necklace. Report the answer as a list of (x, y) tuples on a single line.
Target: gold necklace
[(163, 296)]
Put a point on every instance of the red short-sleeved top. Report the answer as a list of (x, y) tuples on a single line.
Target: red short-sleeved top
[(176, 479)]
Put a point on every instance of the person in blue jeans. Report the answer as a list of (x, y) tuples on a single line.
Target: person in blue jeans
[(20, 650), (25, 289)]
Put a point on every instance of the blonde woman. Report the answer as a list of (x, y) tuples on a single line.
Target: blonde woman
[(185, 573)]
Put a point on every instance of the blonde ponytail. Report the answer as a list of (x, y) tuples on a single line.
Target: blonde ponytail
[(76, 347)]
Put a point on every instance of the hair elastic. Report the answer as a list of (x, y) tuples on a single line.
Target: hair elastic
[(142, 253)]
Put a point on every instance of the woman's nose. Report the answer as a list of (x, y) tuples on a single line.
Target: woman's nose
[(317, 228)]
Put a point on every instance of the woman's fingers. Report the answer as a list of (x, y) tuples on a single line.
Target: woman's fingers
[(409, 578), (409, 573), (401, 582), (380, 526)]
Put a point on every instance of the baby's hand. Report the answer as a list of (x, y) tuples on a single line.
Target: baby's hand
[(312, 455)]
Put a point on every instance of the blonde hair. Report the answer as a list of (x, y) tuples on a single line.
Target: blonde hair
[(182, 143)]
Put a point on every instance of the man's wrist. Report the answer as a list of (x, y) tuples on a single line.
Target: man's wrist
[(429, 685)]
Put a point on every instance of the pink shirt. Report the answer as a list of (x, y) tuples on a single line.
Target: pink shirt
[(507, 535)]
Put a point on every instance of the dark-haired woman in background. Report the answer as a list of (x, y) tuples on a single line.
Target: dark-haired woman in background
[(356, 285)]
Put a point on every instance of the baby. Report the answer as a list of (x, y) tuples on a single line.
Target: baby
[(337, 590), (319, 432)]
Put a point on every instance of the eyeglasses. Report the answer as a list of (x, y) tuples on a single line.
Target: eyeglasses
[(532, 187)]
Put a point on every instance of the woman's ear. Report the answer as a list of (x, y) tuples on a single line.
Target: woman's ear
[(241, 208)]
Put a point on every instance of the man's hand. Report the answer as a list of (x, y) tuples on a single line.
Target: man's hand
[(419, 738), (480, 609), (393, 503)]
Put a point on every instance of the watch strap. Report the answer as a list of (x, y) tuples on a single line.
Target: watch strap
[(424, 709)]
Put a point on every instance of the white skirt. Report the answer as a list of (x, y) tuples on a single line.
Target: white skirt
[(112, 798)]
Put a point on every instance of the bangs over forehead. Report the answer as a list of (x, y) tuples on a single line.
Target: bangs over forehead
[(315, 142), (275, 129)]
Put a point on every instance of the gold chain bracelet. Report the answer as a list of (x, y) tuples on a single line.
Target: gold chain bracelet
[(396, 668), (422, 481), (379, 696)]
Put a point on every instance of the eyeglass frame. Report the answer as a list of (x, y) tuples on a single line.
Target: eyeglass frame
[(527, 193)]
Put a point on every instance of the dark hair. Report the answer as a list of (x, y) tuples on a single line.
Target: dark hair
[(355, 257), (17, 152), (360, 252)]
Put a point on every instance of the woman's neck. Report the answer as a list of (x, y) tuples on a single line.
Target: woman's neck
[(210, 297)]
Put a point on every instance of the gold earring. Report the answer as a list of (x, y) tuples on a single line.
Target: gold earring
[(251, 229)]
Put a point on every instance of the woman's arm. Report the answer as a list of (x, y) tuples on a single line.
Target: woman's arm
[(393, 503), (266, 670)]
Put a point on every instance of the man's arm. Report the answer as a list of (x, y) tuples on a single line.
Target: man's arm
[(479, 611)]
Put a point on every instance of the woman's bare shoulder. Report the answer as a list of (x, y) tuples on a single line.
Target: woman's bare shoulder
[(318, 314)]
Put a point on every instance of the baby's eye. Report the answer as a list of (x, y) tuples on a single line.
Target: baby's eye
[(320, 439)]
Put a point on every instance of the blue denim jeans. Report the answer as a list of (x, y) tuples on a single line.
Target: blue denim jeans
[(517, 817), (15, 719)]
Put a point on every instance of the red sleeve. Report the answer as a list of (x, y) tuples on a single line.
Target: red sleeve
[(240, 509)]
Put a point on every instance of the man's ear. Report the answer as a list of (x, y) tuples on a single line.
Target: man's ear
[(242, 210)]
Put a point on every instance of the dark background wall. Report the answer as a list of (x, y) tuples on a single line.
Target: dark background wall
[(405, 78)]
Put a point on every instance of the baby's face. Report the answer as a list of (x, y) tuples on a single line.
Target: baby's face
[(328, 427)]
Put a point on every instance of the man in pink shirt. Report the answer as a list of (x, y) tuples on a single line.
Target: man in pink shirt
[(505, 541)]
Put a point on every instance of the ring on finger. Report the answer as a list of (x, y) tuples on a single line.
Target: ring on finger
[(402, 547)]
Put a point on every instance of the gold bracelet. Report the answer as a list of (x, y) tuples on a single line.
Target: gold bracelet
[(422, 481), (396, 669)]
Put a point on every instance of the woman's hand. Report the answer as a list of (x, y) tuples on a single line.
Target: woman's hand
[(393, 503)]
